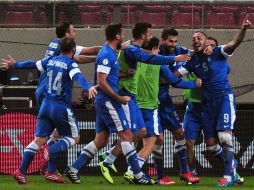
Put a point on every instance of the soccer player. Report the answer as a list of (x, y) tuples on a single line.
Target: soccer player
[(217, 98), (61, 70), (142, 34), (193, 124), (110, 115), (81, 55), (168, 117), (147, 98)]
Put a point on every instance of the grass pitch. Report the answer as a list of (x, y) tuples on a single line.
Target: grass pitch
[(37, 182)]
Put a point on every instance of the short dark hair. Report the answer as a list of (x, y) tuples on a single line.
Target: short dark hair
[(67, 45), (168, 32), (212, 38), (201, 33), (62, 28), (139, 29), (154, 42), (112, 30)]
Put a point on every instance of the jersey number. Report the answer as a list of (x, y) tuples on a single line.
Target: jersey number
[(226, 117), (57, 84)]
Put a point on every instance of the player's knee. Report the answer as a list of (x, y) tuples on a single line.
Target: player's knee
[(100, 143), (142, 133), (158, 149), (55, 134), (179, 134), (225, 137), (160, 140), (41, 141), (76, 139)]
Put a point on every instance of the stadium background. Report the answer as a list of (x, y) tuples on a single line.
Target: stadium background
[(26, 28)]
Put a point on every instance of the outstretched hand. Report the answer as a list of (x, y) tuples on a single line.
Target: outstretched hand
[(246, 23), (7, 63), (92, 92)]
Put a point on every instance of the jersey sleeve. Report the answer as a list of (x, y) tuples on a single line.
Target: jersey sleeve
[(175, 81), (78, 51), (220, 50), (73, 69), (139, 55), (104, 65), (42, 64), (82, 81), (25, 64), (185, 69)]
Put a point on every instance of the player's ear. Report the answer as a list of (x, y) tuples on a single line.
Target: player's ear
[(143, 36), (118, 36)]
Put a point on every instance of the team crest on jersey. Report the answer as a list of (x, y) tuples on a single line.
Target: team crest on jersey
[(105, 61), (74, 65)]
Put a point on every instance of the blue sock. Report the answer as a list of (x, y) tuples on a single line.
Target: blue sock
[(228, 154), (52, 163), (85, 156), (28, 156), (61, 145), (159, 161), (131, 157), (181, 152), (218, 152)]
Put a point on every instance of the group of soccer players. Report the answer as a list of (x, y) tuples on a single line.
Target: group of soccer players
[(132, 99)]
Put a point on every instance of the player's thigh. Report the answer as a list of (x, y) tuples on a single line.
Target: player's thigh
[(134, 116), (44, 125), (169, 119), (65, 122), (152, 122), (192, 122), (112, 115), (209, 119), (227, 113)]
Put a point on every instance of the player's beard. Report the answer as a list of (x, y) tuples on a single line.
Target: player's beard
[(119, 44)]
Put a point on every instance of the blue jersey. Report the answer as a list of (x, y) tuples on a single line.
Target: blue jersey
[(106, 62), (134, 54), (60, 71), (164, 83), (52, 50), (213, 71), (179, 50)]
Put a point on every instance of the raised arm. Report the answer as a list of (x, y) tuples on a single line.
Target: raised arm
[(232, 45)]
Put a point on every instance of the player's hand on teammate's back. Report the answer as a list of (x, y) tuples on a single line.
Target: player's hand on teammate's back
[(125, 44), (198, 83), (8, 63), (246, 23), (208, 50), (92, 92), (183, 57), (124, 99)]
